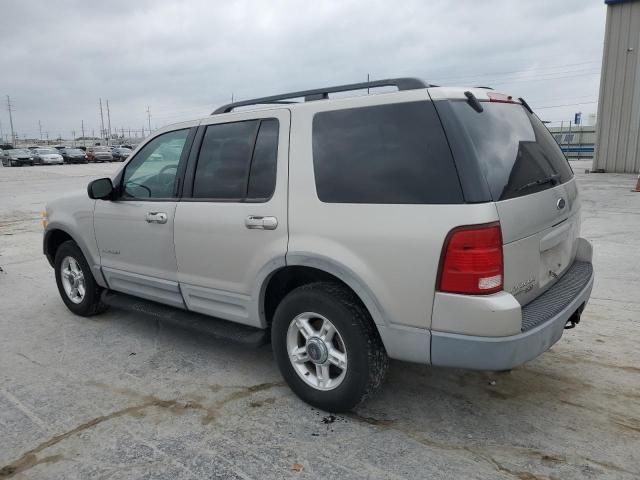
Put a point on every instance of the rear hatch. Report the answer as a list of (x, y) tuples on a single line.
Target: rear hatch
[(534, 189)]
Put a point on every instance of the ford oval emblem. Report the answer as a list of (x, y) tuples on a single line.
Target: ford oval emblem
[(560, 204)]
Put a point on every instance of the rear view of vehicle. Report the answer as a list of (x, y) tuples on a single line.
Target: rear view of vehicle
[(74, 155), (99, 154), (120, 154), (47, 156), (531, 266)]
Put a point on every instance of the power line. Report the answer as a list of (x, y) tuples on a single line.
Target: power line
[(507, 82), (564, 105), (537, 70)]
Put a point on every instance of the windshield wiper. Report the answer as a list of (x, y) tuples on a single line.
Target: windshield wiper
[(553, 180)]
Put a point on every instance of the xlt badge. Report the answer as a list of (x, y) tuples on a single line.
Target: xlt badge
[(523, 287)]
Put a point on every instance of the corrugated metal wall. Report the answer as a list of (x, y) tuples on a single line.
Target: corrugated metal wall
[(618, 128)]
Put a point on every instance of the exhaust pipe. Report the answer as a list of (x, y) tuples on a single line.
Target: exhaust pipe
[(575, 318)]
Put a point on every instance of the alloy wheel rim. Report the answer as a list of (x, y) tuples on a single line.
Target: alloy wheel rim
[(73, 280), (317, 351)]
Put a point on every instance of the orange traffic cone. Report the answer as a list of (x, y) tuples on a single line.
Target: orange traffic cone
[(637, 189)]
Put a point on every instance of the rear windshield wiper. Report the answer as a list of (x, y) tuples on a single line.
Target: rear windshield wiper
[(553, 180)]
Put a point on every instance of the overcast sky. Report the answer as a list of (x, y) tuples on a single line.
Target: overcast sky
[(183, 58)]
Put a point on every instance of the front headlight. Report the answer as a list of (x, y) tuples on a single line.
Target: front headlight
[(44, 217)]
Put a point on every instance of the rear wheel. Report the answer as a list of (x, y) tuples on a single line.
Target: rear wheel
[(77, 287), (327, 347)]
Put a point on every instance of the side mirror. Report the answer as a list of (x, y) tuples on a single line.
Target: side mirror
[(100, 189)]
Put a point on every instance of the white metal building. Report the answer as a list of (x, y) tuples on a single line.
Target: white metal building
[(618, 129)]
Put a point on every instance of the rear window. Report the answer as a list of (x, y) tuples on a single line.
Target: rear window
[(383, 154), (517, 154)]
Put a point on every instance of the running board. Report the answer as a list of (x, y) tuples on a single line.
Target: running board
[(195, 322)]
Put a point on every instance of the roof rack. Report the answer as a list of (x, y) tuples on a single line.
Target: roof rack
[(323, 93)]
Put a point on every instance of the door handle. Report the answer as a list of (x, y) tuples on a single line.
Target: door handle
[(156, 217), (254, 222)]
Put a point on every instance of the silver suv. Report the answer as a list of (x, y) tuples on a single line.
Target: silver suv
[(430, 224)]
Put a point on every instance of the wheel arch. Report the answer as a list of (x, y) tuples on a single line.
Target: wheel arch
[(56, 235), (401, 342), (302, 269)]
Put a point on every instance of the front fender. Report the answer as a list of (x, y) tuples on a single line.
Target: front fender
[(73, 215)]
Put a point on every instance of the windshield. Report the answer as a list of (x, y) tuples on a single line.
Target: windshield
[(517, 154), (101, 149), (17, 152), (74, 151), (123, 150), (47, 151)]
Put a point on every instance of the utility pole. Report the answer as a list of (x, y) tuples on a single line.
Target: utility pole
[(109, 123), (83, 139), (101, 121), (368, 82), (73, 136), (40, 127), (1, 133), (149, 118), (13, 135), (47, 134)]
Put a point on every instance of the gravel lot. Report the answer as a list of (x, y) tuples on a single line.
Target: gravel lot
[(119, 396)]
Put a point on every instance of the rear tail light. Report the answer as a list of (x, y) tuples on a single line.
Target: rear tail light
[(471, 261)]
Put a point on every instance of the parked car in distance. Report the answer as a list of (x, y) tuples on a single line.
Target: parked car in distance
[(47, 156), (433, 225), (74, 155), (120, 154), (17, 157), (99, 154)]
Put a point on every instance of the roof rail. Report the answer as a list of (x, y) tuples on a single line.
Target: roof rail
[(323, 93)]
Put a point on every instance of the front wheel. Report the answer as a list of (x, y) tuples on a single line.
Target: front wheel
[(327, 347), (78, 289)]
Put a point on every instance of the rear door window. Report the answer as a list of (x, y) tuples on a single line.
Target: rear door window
[(237, 161), (516, 152), (384, 154)]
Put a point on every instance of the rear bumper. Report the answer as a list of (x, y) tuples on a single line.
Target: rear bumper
[(549, 314)]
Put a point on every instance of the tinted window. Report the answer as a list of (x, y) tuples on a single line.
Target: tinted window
[(262, 179), (224, 160), (152, 172), (517, 154), (384, 154)]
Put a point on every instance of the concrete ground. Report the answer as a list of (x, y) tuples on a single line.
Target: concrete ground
[(118, 396)]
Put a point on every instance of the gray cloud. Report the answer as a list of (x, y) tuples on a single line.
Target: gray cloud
[(184, 58)]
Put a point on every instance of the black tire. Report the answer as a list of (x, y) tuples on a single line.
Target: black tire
[(367, 361), (91, 304)]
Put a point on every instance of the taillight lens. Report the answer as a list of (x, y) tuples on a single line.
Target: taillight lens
[(471, 260)]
